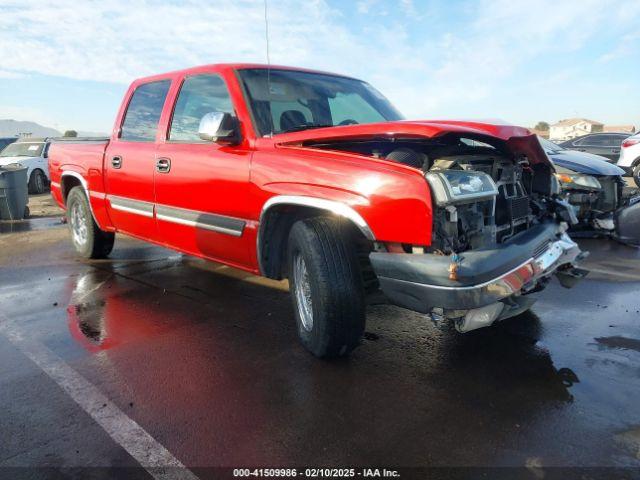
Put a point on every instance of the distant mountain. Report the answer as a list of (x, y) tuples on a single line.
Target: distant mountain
[(10, 128)]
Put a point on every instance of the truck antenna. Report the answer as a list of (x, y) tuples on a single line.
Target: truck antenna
[(266, 34)]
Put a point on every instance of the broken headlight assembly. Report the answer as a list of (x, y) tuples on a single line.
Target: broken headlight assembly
[(460, 186), (578, 181)]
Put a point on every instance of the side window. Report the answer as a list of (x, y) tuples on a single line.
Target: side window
[(596, 141), (199, 95), (617, 142), (144, 110)]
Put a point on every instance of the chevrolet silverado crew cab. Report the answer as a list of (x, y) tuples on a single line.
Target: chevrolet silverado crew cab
[(315, 177)]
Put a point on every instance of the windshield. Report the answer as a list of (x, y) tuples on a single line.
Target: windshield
[(20, 149), (288, 100), (549, 146)]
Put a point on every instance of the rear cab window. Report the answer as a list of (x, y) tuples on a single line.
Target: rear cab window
[(143, 113)]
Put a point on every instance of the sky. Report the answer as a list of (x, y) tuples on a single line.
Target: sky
[(66, 64)]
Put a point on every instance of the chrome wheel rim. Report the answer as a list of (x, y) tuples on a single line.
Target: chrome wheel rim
[(78, 224), (302, 290)]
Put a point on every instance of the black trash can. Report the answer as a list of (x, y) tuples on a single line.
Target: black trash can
[(14, 195)]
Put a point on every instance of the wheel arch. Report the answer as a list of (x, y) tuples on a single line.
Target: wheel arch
[(278, 216), (70, 179)]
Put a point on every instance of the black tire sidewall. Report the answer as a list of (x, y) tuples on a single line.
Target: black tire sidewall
[(636, 175), (36, 182), (336, 329)]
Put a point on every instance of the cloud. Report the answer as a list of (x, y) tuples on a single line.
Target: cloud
[(423, 62), (8, 74), (628, 45)]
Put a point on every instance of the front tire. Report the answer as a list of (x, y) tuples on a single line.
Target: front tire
[(326, 286), (37, 182), (88, 240)]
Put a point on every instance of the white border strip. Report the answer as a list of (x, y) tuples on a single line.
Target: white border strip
[(151, 455)]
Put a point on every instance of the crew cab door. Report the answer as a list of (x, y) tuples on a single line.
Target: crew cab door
[(201, 187), (130, 162)]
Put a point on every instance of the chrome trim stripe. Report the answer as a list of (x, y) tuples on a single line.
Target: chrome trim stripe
[(85, 187), (137, 207), (337, 208), (206, 221)]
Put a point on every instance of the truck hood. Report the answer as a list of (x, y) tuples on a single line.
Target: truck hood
[(583, 162), (517, 138), (8, 160)]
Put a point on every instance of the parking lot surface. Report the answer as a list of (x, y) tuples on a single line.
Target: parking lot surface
[(154, 358)]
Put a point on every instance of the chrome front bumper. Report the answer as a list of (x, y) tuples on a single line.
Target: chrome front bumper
[(424, 296)]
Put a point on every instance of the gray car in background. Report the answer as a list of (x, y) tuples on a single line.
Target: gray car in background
[(604, 144)]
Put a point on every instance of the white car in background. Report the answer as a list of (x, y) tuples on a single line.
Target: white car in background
[(30, 153), (629, 159)]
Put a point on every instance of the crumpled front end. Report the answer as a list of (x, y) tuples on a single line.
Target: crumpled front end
[(602, 208), (489, 283), (627, 223)]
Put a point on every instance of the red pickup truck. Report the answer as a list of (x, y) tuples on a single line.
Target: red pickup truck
[(315, 177)]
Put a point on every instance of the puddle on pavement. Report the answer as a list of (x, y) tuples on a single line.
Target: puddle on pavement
[(7, 226), (631, 439), (624, 343), (99, 317)]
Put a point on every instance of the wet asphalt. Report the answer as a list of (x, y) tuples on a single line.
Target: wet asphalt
[(205, 359)]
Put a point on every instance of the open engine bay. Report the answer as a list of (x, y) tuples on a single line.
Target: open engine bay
[(484, 193)]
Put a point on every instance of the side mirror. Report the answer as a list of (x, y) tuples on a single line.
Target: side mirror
[(219, 127)]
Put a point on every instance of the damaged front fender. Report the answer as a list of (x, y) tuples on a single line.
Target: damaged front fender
[(627, 223)]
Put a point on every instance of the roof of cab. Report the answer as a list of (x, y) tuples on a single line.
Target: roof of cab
[(220, 67)]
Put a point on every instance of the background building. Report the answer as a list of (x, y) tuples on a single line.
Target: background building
[(574, 127)]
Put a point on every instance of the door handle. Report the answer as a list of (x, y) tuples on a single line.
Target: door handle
[(615, 150), (163, 165), (116, 161)]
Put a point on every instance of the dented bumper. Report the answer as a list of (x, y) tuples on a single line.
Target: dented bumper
[(421, 282)]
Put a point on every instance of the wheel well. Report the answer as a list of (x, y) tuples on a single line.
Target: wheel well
[(273, 236), (67, 183)]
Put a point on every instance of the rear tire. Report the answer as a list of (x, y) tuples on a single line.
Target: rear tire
[(326, 286), (37, 182), (636, 175), (88, 240)]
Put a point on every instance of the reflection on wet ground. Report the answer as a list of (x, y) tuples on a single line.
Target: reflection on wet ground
[(206, 359), (17, 226)]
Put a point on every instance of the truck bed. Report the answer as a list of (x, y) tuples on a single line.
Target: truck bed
[(84, 157)]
